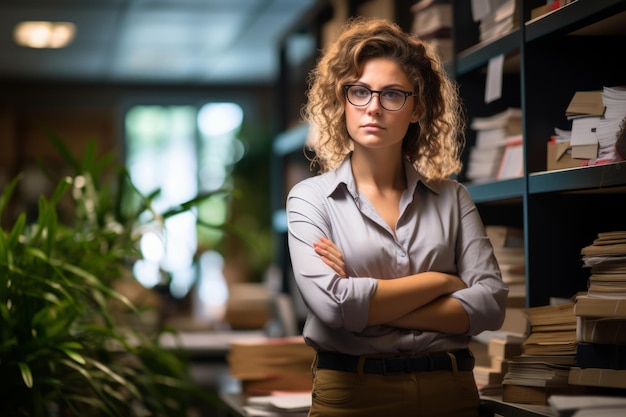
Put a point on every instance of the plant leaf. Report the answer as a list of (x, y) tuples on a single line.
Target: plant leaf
[(27, 374), (64, 151), (77, 357)]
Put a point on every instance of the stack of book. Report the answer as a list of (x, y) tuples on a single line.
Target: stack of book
[(500, 349), (601, 315), (493, 349), (547, 356), (508, 246), (495, 136), (552, 330), (271, 364), (497, 18), (432, 22)]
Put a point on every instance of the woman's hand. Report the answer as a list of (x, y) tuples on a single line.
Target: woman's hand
[(331, 256)]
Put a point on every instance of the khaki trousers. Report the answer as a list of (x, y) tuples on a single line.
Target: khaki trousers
[(415, 394)]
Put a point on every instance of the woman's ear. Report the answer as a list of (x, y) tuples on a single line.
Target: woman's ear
[(415, 116)]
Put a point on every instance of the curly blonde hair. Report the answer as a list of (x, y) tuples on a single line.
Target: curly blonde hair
[(433, 145)]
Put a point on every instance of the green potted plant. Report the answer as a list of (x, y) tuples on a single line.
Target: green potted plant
[(63, 349)]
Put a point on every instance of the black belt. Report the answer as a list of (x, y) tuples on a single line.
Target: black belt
[(439, 361)]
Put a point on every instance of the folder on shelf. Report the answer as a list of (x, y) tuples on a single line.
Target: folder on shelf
[(585, 103)]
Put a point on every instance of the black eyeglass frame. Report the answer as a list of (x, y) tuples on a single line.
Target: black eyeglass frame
[(406, 95)]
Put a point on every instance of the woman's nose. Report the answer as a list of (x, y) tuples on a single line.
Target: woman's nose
[(374, 105)]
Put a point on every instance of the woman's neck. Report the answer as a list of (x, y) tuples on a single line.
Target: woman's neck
[(378, 169)]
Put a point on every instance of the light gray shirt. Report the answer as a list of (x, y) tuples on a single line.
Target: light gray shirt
[(439, 229)]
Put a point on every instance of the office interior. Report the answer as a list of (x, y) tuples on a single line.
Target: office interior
[(199, 102)]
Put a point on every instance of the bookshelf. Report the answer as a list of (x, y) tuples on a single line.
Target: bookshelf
[(547, 59)]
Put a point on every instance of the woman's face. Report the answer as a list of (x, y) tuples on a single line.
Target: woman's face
[(372, 126)]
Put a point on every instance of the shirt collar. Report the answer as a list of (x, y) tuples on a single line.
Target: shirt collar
[(343, 175)]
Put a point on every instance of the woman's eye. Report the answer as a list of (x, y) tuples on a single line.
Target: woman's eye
[(361, 92), (392, 95)]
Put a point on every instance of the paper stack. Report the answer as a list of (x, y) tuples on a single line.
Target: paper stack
[(497, 18), (432, 22), (508, 246), (601, 315), (493, 133), (548, 354), (279, 405), (614, 99)]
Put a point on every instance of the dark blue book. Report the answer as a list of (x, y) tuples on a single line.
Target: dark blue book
[(597, 355)]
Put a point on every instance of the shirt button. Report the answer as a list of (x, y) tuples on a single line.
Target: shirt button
[(402, 254)]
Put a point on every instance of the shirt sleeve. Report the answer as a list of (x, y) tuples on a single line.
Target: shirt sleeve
[(336, 301), (485, 297)]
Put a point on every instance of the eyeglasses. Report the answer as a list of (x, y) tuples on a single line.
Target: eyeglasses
[(390, 100)]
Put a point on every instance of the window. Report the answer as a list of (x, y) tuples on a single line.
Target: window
[(183, 151)]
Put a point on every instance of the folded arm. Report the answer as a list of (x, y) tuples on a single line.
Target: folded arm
[(420, 301)]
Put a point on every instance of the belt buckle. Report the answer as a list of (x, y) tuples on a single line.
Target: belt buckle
[(406, 364), (399, 364)]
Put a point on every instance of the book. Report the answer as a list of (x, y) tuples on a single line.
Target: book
[(598, 377), (562, 314), (536, 371), (492, 134), (551, 343), (601, 330), (600, 355), (532, 379), (486, 375), (552, 330), (282, 363), (607, 244), (495, 138), (600, 307), (503, 348), (536, 395), (431, 18), (512, 162), (509, 119)]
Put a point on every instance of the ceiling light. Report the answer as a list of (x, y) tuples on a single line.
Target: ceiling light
[(41, 34)]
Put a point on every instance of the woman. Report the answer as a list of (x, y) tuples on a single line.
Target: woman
[(389, 254)]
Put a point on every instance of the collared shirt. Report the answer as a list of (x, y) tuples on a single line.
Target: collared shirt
[(439, 229)]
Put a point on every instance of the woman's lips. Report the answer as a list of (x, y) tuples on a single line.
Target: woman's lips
[(372, 126)]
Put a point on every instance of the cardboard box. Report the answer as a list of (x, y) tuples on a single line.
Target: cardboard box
[(560, 156)]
